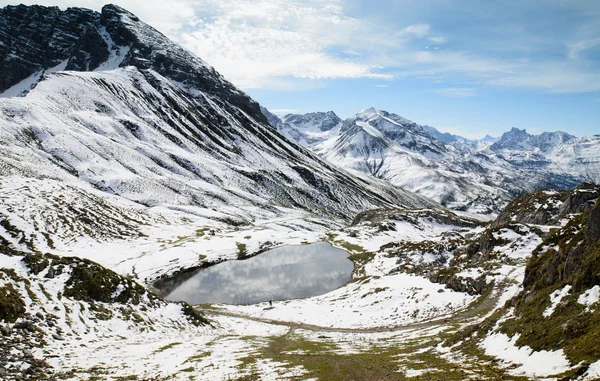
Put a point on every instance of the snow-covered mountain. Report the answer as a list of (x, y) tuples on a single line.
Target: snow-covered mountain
[(127, 163), (460, 141), (307, 129), (552, 153), (140, 117), (392, 148), (477, 175)]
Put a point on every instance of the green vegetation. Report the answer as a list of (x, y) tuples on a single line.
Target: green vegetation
[(194, 316), (12, 305), (241, 250), (357, 254), (201, 232), (377, 290), (197, 358), (568, 256), (36, 262), (575, 263), (90, 281), (166, 347), (385, 361)]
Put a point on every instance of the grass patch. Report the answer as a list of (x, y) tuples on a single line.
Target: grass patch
[(12, 305), (377, 363), (167, 347), (197, 358), (201, 232), (242, 251)]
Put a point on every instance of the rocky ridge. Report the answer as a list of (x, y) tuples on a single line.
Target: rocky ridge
[(480, 176)]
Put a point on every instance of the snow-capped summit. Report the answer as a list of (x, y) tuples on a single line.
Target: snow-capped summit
[(521, 140), (306, 129), (323, 121), (42, 40), (390, 147), (445, 137), (478, 175), (397, 130), (489, 139)]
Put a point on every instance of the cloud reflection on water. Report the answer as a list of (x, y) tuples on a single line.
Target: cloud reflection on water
[(283, 273)]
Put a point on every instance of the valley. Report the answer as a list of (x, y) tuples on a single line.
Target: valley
[(143, 200)]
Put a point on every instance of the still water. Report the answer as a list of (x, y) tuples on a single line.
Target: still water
[(283, 273)]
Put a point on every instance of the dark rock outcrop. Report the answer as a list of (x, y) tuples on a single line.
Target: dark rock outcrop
[(548, 206), (38, 38)]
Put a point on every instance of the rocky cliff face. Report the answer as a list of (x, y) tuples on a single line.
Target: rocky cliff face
[(37, 39)]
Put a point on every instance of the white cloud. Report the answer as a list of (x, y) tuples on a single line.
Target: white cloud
[(456, 92), (292, 45), (259, 43), (552, 79), (420, 30), (437, 39), (580, 46)]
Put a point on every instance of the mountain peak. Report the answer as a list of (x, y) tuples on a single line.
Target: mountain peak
[(116, 8), (321, 121), (517, 139), (83, 40), (515, 130)]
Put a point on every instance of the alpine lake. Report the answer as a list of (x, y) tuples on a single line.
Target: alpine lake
[(283, 273)]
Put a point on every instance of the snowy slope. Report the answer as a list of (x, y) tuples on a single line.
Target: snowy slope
[(142, 118), (392, 148), (552, 153), (479, 176), (137, 135), (307, 130)]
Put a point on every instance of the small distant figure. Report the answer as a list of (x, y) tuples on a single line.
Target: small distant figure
[(271, 303)]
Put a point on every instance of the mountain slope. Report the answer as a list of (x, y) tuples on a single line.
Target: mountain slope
[(389, 147), (480, 176), (167, 130), (551, 153), (556, 311), (307, 130), (39, 39)]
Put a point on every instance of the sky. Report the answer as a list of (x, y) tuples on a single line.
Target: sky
[(468, 67)]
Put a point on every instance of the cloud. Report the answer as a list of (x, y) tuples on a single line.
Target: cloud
[(456, 92), (419, 30), (259, 43), (382, 86), (437, 39), (553, 79), (581, 46), (292, 45)]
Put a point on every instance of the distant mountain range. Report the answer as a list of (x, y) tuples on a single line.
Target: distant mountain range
[(465, 174)]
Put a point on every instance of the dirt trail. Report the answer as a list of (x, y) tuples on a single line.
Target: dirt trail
[(478, 308)]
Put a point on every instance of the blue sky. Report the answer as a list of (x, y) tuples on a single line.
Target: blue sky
[(465, 66)]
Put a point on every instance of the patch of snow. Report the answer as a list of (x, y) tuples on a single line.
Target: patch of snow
[(555, 299), (24, 86), (530, 363), (593, 372), (589, 297)]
